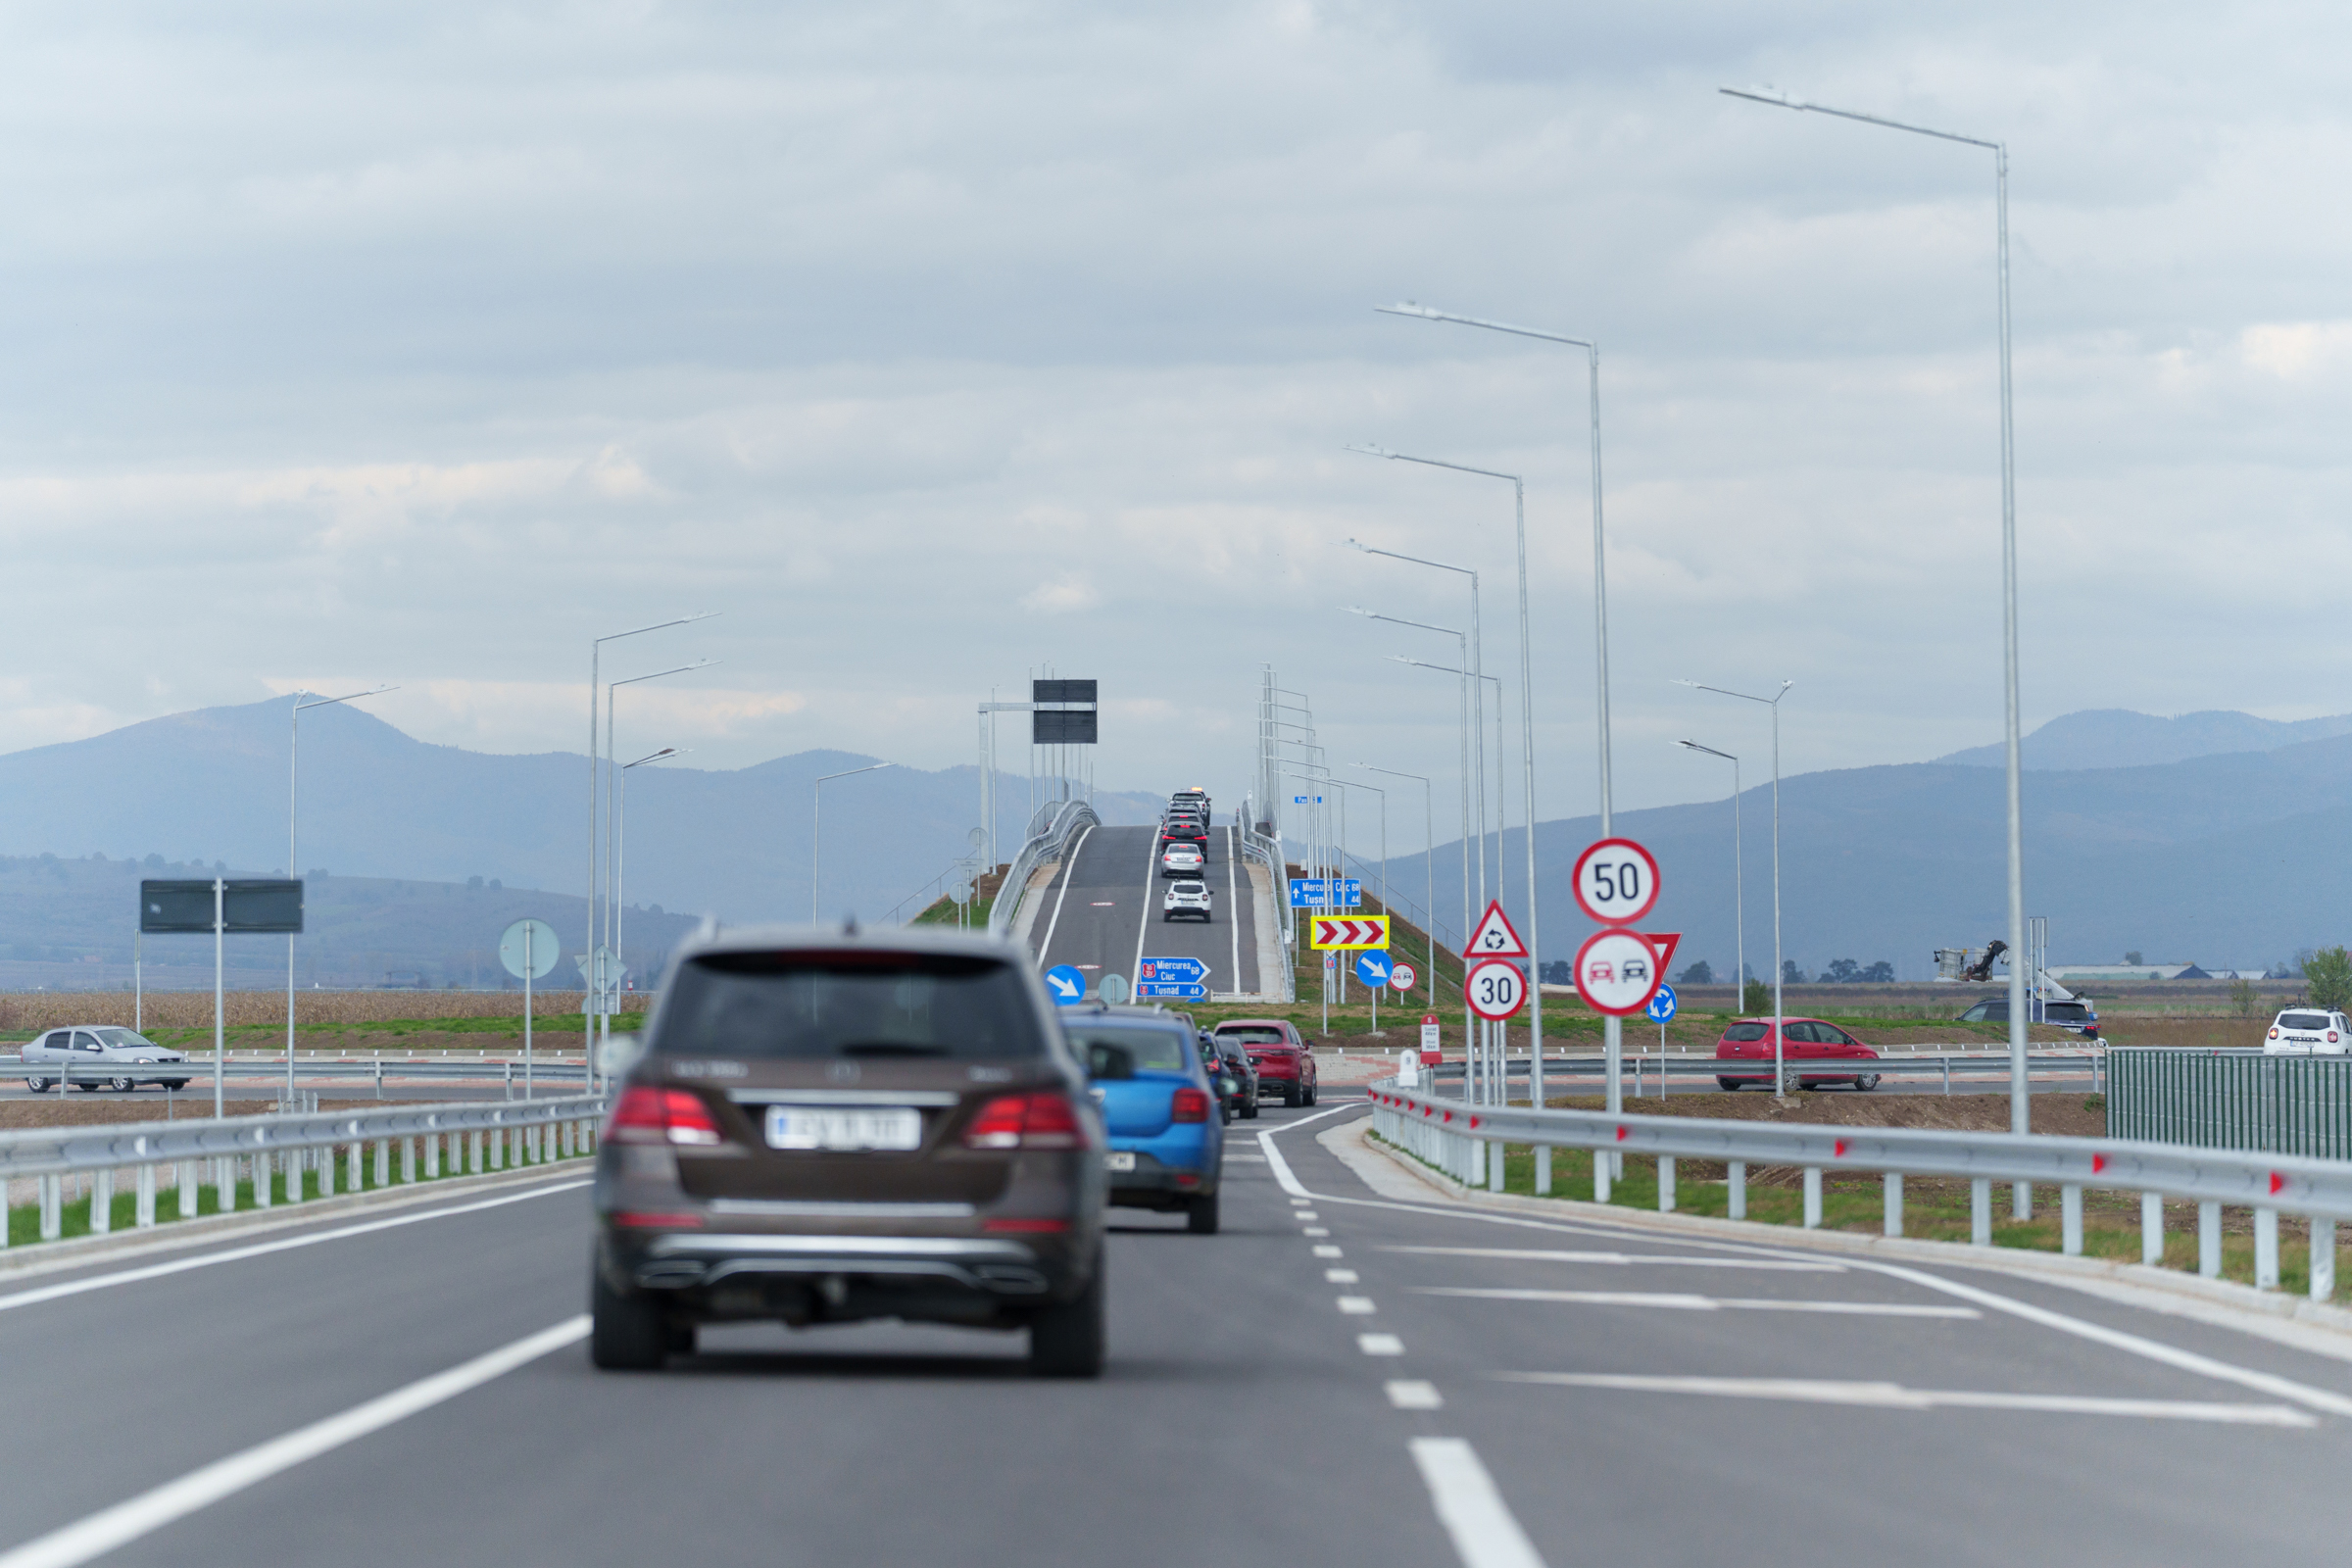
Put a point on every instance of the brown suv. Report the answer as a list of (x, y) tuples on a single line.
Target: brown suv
[(834, 1125)]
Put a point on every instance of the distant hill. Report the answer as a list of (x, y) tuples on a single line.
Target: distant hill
[(2115, 737), (211, 785)]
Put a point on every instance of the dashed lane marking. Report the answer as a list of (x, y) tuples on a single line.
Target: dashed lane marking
[(1356, 1305), (1408, 1393), (1470, 1507), (1380, 1344), (1339, 1276)]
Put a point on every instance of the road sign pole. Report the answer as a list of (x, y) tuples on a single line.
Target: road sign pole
[(526, 1012), (219, 1011)]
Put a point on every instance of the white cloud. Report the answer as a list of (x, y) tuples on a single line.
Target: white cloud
[(1063, 594)]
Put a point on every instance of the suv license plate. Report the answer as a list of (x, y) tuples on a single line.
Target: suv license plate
[(1119, 1159), (884, 1127)]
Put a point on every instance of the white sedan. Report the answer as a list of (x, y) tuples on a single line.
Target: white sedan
[(1182, 860), (1185, 900), (98, 1053)]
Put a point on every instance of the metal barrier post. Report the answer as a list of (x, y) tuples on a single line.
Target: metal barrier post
[(52, 1190), (1738, 1183), (2322, 1260), (1600, 1175), (407, 1160), (1544, 1171), (352, 1182), (2209, 1240), (2070, 1219), (383, 1162), (432, 1156), (326, 1171), (2266, 1249), (1980, 1211), (143, 1216), (1665, 1185), (225, 1177), (190, 1184), (1812, 1198), (102, 1202), (264, 1179), (2151, 1228), (1495, 1159), (1893, 1182)]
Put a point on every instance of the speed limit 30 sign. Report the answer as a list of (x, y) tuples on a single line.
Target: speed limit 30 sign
[(1496, 989), (1616, 881)]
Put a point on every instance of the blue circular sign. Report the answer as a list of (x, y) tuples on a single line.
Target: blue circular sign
[(1372, 968), (1661, 1005), (1067, 985)]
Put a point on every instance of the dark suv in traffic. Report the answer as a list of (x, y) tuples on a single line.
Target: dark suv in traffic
[(833, 1125)]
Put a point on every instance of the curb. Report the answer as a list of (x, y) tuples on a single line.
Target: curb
[(43, 1257), (2318, 1327)]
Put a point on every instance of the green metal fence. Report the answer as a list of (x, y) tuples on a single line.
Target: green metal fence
[(2231, 1099)]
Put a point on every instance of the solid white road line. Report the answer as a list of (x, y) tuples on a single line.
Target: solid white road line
[(1280, 1166), (1472, 1511), (1143, 918), (110, 1528), (1698, 1303), (237, 1255), (1540, 1256), (1071, 865), (1894, 1397), (1411, 1394), (1233, 907)]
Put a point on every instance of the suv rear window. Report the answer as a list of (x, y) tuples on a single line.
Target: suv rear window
[(2064, 1009), (2302, 1020), (1149, 1049), (803, 1005), (1254, 1037), (1744, 1032)]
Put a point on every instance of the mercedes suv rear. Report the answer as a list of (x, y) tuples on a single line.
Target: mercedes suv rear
[(828, 1126)]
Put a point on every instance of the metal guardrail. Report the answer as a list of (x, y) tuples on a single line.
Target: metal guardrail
[(1267, 851), (198, 1070), (2233, 1099), (243, 1149), (1454, 1135), (1649, 1070), (1050, 834)]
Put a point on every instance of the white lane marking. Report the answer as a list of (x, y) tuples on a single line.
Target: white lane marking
[(1339, 1276), (1315, 1230), (1356, 1305), (1329, 1251), (1069, 867), (1472, 1511), (1300, 1203), (1894, 1397), (1281, 1167), (126, 1521), (1380, 1344), (1540, 1255), (237, 1255), (1143, 918), (1232, 905), (1304, 1215), (1700, 1304), (1411, 1394)]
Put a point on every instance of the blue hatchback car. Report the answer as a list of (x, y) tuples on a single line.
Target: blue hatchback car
[(1166, 1138)]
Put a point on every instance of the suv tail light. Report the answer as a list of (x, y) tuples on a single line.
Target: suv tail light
[(1191, 1104), (646, 1115), (2273, 1034), (1026, 1121)]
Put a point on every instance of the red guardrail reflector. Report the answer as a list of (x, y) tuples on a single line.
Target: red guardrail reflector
[(1621, 1132), (1838, 1149), (2278, 1184), (2098, 1163)]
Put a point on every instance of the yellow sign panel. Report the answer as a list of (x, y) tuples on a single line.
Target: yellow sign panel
[(1346, 932)]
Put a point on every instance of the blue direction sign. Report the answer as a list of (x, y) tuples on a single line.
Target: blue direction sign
[(1066, 984), (1327, 892), (1661, 1004), (1172, 990), (1372, 968), (1182, 971)]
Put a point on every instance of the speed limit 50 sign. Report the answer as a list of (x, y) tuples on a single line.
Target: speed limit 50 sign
[(1496, 989), (1616, 881)]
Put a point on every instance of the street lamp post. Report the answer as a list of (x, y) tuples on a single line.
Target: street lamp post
[(1739, 896), (1501, 817), (1462, 679), (1429, 869), (1779, 1087), (2020, 1113), (1613, 1028), (612, 942), (293, 866), (816, 823)]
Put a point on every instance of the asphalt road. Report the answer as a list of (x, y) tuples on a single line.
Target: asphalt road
[(1340, 1377), (1102, 914)]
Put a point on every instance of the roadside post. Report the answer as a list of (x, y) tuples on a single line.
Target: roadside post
[(1618, 969), (1373, 969), (529, 950), (1661, 1007), (222, 904)]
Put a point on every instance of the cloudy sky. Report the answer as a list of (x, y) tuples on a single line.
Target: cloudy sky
[(930, 344)]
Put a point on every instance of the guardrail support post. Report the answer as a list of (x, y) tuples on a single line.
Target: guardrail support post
[(474, 1165), (264, 1171), (2209, 1240), (352, 1182), (1947, 1077), (2266, 1249), (1544, 1170), (383, 1162), (225, 1178), (1812, 1198), (52, 1190), (143, 1216), (102, 1202), (1737, 1184), (2070, 1219), (1600, 1175), (2021, 1197), (1892, 1181), (407, 1160), (326, 1171), (2151, 1228), (432, 1156), (1665, 1183), (1980, 1211), (2322, 1260), (190, 1185), (1496, 1154)]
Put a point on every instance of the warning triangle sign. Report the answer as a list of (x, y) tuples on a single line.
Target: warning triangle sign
[(1495, 936)]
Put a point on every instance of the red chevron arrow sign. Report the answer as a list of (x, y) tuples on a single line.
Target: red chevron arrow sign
[(1341, 931)]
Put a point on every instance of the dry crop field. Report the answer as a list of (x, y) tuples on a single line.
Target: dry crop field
[(27, 1012)]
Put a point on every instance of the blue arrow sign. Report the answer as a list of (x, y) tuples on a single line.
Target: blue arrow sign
[(1372, 968), (1182, 971), (1066, 984), (1661, 1005), (1175, 989)]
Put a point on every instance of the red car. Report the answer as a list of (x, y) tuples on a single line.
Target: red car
[(1808, 1043), (1285, 1065)]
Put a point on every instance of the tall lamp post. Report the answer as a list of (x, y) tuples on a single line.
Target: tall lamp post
[(293, 866), (1429, 869), (1613, 1028), (1501, 817), (1780, 1084), (1739, 896), (620, 853), (817, 819), (612, 942), (2020, 1114), (1462, 675)]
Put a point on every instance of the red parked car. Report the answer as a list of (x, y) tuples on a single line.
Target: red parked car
[(1285, 1065), (1809, 1043)]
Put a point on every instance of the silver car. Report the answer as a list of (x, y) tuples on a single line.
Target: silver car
[(92, 1047)]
